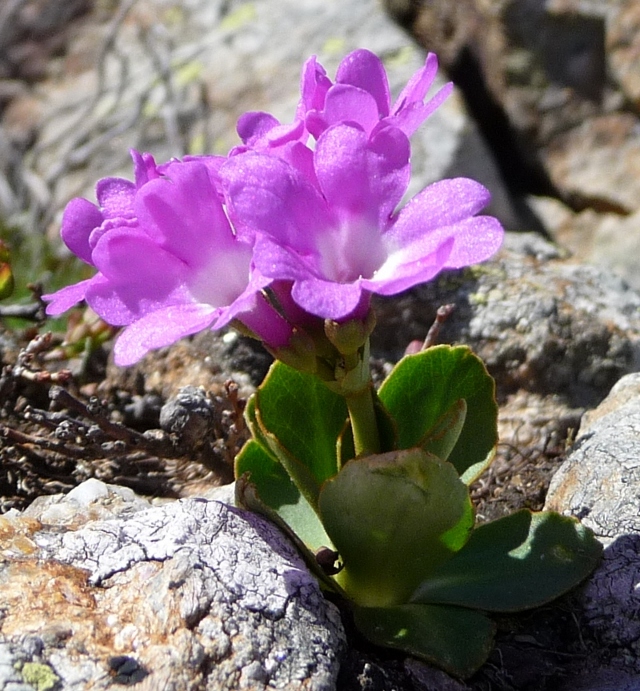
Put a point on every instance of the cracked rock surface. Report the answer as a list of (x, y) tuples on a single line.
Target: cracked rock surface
[(192, 594), (599, 484)]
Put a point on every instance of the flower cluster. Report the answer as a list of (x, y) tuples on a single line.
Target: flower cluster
[(306, 211)]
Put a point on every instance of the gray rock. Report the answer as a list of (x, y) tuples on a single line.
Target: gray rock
[(540, 322), (172, 78), (190, 594), (599, 483), (554, 88)]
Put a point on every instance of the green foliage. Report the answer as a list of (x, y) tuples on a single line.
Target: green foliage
[(515, 562), (394, 518), (423, 394), (418, 575)]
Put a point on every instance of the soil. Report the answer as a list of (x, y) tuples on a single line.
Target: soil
[(65, 419)]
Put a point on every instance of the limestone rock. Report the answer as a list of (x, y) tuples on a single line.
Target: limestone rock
[(188, 594), (172, 78), (554, 89), (599, 484), (540, 322)]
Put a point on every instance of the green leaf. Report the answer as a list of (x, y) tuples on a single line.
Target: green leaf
[(278, 492), (457, 640), (247, 497), (299, 419), (513, 563), (444, 435), (421, 392), (394, 518)]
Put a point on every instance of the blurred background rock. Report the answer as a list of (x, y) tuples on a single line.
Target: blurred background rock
[(545, 113)]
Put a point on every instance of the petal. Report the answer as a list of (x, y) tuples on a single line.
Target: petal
[(138, 277), (267, 195), (362, 177), (66, 297), (414, 114), (364, 69), (80, 218), (279, 263), (183, 214), (144, 167), (346, 103), (115, 197), (259, 316), (417, 87), (415, 265), (314, 85), (254, 125), (327, 299), (476, 239), (439, 205), (159, 329)]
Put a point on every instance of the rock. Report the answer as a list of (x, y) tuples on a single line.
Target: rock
[(553, 87), (172, 79), (540, 322), (598, 483), (189, 594), (600, 478)]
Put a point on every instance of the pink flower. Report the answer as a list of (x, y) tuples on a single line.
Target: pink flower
[(168, 263), (361, 95), (339, 239)]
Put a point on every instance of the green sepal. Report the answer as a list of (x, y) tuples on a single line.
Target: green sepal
[(394, 518), (423, 388), (456, 639), (517, 562)]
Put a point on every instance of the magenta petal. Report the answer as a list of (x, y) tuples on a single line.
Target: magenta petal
[(254, 125), (364, 69), (327, 299), (277, 262), (439, 205), (159, 329), (314, 85), (144, 167), (413, 115), (346, 103), (259, 316), (183, 214), (66, 297), (417, 87), (80, 218), (362, 177), (409, 268), (267, 195), (476, 239), (139, 277), (115, 197)]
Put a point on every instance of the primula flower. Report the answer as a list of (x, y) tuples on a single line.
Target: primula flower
[(341, 239), (168, 262), (361, 95)]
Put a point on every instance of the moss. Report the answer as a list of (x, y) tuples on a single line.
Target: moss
[(40, 676)]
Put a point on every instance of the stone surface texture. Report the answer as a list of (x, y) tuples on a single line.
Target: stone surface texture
[(599, 483), (188, 595), (173, 77), (554, 88)]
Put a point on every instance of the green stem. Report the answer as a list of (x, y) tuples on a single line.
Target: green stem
[(364, 424)]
